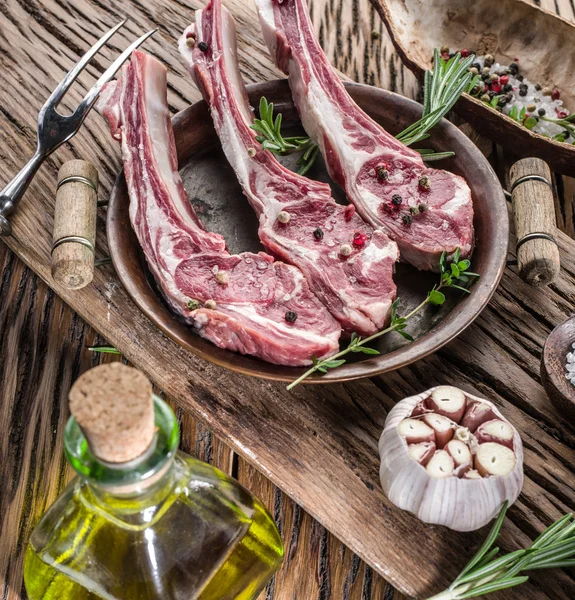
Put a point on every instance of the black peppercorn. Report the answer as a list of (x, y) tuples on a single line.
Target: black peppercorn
[(502, 101), (406, 219), (538, 87), (381, 172), (514, 66), (485, 77), (318, 233), (396, 200), (520, 78), (291, 316), (507, 87), (203, 46), (491, 93), (541, 112), (477, 66), (523, 89), (566, 134), (422, 207)]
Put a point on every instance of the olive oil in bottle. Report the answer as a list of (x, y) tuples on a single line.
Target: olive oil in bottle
[(158, 525)]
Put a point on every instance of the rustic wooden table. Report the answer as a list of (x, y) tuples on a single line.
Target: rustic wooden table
[(319, 444)]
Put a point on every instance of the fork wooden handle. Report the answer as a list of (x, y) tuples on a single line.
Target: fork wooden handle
[(535, 226), (74, 236)]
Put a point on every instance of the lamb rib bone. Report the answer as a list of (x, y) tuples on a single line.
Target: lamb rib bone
[(248, 312), (299, 220), (370, 164)]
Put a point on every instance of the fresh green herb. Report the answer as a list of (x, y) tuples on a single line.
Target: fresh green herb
[(104, 349), (452, 275), (486, 572), (442, 89), (271, 138), (566, 122), (429, 155), (530, 122)]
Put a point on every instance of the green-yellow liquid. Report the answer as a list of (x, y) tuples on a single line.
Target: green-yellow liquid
[(207, 539)]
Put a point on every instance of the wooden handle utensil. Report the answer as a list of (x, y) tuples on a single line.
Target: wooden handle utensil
[(535, 226), (74, 235)]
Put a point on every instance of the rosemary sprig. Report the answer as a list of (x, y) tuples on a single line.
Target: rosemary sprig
[(452, 275), (442, 89), (486, 573), (104, 349), (271, 138)]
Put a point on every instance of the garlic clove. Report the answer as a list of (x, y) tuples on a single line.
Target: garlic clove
[(441, 465), (496, 431), (442, 426), (422, 452), (494, 459), (459, 451), (415, 431), (448, 401), (472, 474), (476, 414)]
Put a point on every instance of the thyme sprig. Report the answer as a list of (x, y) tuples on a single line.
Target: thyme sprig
[(442, 88), (452, 275), (486, 572)]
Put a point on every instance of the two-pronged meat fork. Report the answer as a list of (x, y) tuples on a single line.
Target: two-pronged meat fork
[(55, 129)]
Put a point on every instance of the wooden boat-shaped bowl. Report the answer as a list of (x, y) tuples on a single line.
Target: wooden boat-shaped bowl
[(218, 200), (508, 29)]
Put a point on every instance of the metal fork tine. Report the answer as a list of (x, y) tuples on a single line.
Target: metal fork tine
[(92, 95), (70, 77)]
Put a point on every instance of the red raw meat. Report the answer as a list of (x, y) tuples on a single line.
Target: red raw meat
[(369, 163), (357, 289), (191, 264)]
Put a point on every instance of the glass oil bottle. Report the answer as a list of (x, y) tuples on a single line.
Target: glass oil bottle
[(159, 526)]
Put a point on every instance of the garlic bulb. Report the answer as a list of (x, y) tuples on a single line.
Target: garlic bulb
[(450, 458)]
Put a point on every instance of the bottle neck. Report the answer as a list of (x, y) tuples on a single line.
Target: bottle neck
[(146, 475)]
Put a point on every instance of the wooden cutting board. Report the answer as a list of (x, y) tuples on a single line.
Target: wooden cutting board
[(319, 444)]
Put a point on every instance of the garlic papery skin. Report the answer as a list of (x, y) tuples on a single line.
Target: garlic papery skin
[(464, 500)]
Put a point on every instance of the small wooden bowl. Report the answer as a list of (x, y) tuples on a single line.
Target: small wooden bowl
[(558, 387), (215, 193), (508, 29)]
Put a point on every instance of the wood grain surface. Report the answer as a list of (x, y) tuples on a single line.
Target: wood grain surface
[(319, 444)]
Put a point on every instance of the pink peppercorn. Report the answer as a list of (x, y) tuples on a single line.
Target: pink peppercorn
[(495, 87), (359, 238), (349, 212), (562, 114), (504, 80), (555, 94), (464, 53)]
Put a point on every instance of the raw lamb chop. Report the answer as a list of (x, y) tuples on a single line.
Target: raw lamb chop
[(248, 302), (347, 264), (426, 211)]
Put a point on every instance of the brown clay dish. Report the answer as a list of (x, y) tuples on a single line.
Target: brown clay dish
[(559, 389), (218, 200), (508, 29)]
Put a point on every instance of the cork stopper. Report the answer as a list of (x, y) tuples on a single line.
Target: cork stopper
[(113, 405)]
